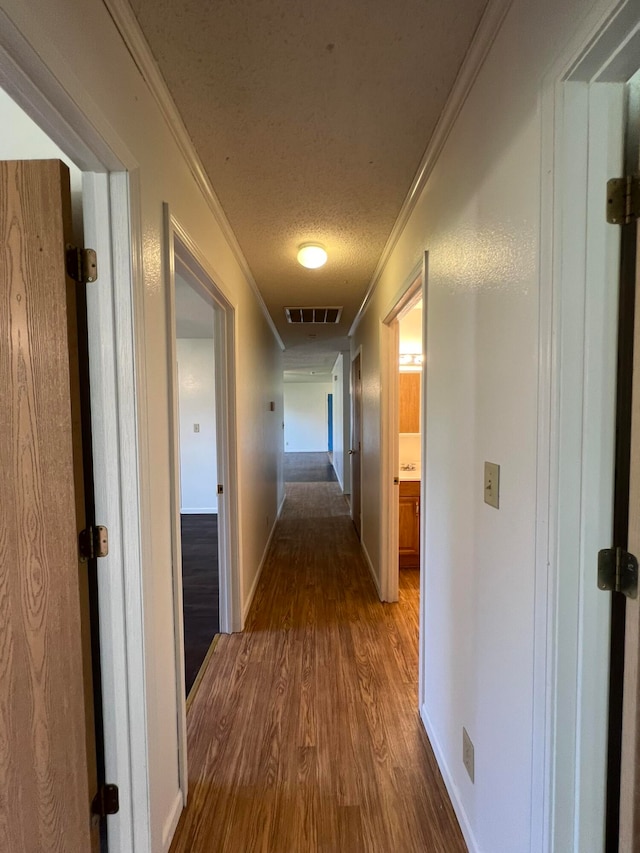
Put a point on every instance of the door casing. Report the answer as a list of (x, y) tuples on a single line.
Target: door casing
[(582, 129)]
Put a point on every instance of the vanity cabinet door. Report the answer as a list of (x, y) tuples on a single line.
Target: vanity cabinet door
[(409, 525)]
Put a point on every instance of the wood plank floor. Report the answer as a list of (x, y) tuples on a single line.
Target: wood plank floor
[(200, 590), (303, 734)]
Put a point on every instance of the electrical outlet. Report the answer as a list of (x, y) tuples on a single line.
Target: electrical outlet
[(196, 427), (492, 484), (467, 754)]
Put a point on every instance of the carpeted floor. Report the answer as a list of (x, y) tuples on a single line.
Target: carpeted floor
[(200, 589), (308, 468)]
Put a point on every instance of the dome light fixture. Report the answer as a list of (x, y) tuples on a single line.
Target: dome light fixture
[(312, 255)]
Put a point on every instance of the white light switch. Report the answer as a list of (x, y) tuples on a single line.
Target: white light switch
[(492, 484), (196, 427)]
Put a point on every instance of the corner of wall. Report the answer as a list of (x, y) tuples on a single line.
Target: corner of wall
[(452, 789), (374, 577)]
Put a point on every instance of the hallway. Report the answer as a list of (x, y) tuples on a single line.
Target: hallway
[(303, 735)]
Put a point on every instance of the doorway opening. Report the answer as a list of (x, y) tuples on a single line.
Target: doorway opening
[(45, 494), (402, 438), (198, 473), (355, 452), (101, 198), (201, 371), (409, 438)]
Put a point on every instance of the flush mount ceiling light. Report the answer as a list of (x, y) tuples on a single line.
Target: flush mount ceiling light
[(312, 255)]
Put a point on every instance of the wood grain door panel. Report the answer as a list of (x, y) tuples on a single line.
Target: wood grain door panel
[(44, 792)]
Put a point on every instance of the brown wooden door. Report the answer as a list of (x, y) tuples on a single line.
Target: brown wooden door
[(356, 444), (48, 748)]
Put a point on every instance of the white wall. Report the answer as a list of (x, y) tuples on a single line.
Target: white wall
[(410, 450), (22, 139), (196, 392), (479, 218), (103, 80), (410, 327), (306, 416)]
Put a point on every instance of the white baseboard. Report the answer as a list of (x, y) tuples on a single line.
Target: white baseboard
[(367, 559), (338, 477), (171, 823), (256, 580), (205, 510), (452, 788)]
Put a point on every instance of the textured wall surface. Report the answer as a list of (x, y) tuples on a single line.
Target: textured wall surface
[(478, 217), (306, 416), (196, 391)]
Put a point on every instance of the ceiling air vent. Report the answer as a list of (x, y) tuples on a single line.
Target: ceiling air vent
[(313, 315)]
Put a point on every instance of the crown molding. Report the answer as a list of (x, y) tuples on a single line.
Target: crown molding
[(127, 25), (483, 38)]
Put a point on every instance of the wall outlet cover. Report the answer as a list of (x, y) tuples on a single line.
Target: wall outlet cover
[(492, 484), (468, 758)]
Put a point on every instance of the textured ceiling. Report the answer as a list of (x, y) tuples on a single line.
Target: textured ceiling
[(311, 119)]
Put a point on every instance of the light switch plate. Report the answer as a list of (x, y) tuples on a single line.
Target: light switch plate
[(468, 757), (492, 484)]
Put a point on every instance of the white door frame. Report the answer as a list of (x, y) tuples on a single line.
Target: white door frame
[(115, 313), (413, 288), (582, 124), (182, 252)]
